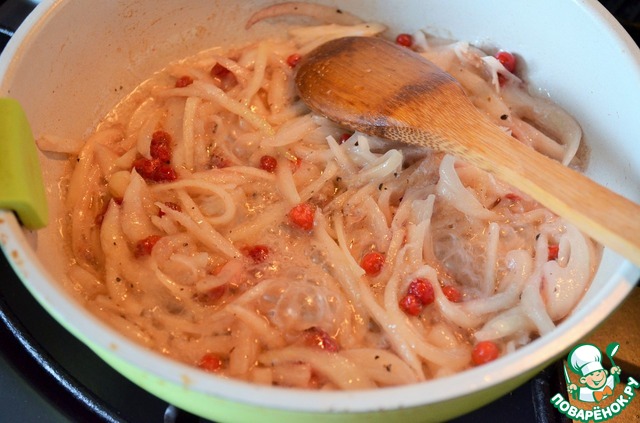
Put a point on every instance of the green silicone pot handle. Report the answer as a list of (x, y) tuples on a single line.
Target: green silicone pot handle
[(21, 185)]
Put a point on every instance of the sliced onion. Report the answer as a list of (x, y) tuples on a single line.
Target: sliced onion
[(548, 117), (325, 14), (54, 144)]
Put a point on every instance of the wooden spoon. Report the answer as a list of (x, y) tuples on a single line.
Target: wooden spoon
[(376, 87)]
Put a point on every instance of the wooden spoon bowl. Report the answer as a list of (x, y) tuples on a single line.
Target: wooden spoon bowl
[(376, 87)]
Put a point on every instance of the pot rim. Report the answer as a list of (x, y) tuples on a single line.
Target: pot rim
[(80, 322)]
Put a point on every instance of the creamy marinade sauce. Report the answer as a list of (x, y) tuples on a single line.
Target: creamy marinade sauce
[(214, 219)]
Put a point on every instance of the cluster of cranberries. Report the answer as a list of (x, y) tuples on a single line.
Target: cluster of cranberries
[(419, 295), (158, 167)]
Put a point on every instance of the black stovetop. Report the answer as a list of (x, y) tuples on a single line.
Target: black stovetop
[(46, 375)]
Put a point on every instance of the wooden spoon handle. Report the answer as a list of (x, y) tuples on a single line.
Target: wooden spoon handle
[(602, 214)]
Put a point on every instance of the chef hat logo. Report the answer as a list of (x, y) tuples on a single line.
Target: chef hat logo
[(585, 359)]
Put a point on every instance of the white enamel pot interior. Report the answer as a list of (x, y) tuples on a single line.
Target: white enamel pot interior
[(73, 60)]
